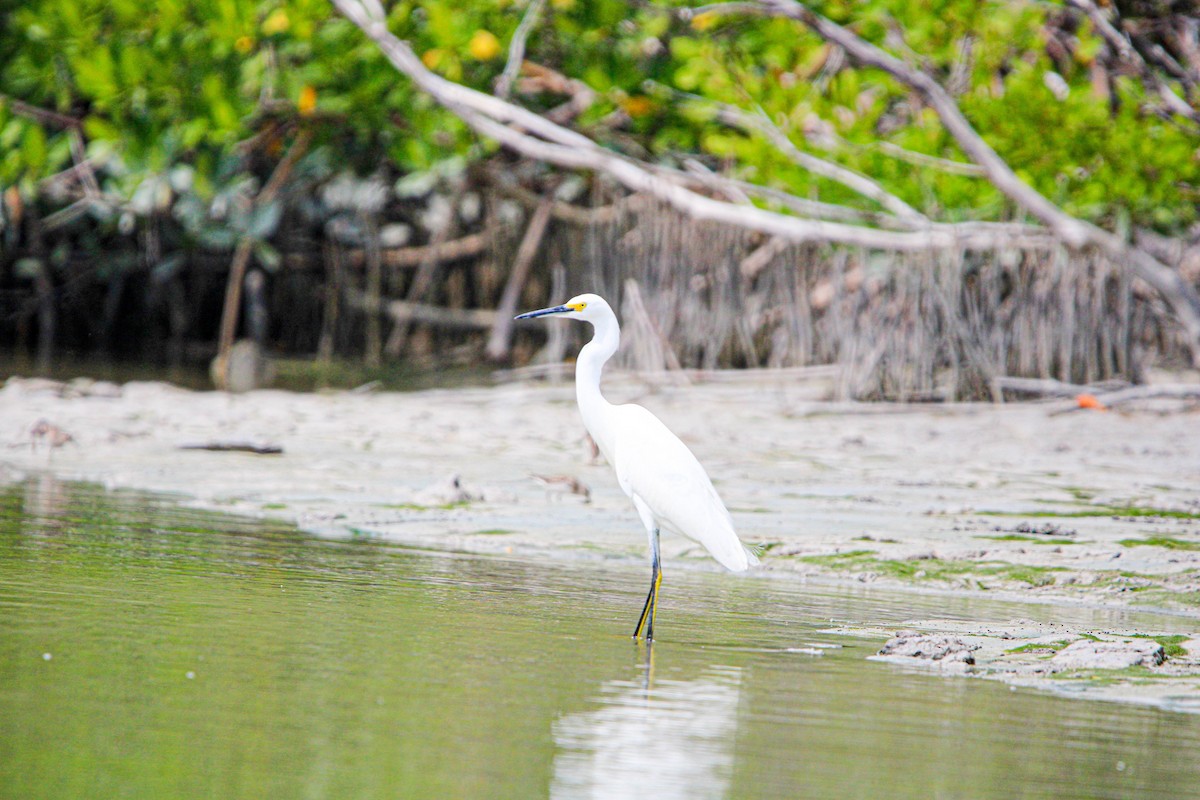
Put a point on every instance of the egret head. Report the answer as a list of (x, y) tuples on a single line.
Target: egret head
[(585, 307)]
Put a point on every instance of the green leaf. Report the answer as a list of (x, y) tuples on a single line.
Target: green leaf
[(267, 256), (33, 146)]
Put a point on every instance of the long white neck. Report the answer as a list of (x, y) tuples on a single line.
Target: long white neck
[(595, 410)]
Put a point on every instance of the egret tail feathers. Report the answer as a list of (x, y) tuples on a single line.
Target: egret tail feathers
[(738, 558)]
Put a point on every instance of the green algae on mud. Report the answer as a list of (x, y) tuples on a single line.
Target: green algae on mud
[(1040, 648), (1090, 510), (934, 569), (1172, 644), (448, 506), (1166, 542), (1168, 591), (1021, 537)]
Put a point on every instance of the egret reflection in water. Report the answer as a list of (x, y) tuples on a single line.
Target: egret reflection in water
[(665, 739)]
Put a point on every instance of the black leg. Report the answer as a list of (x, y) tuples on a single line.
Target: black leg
[(647, 614), (646, 620), (653, 604)]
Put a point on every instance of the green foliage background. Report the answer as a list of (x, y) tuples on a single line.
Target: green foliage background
[(173, 93)]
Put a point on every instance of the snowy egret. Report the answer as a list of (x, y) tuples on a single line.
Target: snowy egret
[(657, 471)]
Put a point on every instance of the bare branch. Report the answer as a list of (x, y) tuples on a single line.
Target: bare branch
[(556, 145), (65, 216), (241, 258), (565, 212), (1125, 51), (728, 9), (404, 312), (639, 179), (732, 192), (933, 162), (500, 340), (760, 123), (806, 208), (452, 94), (762, 257), (40, 114), (438, 251), (565, 148), (733, 115), (540, 78), (516, 49), (540, 139), (1006, 234), (87, 175), (374, 10), (1074, 232), (827, 169)]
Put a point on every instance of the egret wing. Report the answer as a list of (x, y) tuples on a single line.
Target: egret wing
[(652, 463)]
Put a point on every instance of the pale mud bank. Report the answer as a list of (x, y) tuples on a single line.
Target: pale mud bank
[(1033, 501)]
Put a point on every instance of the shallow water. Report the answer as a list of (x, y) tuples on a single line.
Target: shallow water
[(151, 651)]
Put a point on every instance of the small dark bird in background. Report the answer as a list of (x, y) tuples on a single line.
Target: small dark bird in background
[(559, 485), (44, 430)]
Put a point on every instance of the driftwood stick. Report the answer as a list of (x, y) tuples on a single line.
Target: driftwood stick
[(1038, 386), (1182, 391), (264, 449)]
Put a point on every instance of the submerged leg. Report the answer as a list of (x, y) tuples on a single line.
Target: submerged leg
[(646, 620), (648, 608)]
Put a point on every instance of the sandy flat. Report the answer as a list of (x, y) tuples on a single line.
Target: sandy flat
[(1024, 501)]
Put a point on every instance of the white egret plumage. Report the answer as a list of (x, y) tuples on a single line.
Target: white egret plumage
[(668, 486)]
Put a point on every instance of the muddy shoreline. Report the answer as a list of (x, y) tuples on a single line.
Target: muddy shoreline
[(1034, 502)]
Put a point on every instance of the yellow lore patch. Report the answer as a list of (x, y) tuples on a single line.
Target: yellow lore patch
[(577, 306)]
